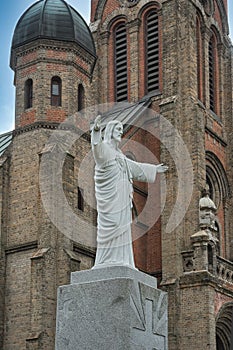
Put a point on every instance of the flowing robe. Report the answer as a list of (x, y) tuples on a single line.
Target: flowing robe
[(114, 175)]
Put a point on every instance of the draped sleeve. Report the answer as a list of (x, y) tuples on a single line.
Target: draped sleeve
[(142, 171)]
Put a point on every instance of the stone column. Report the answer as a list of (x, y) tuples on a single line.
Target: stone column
[(133, 28), (200, 242), (113, 308)]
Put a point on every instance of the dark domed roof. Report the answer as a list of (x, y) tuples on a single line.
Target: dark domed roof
[(52, 19)]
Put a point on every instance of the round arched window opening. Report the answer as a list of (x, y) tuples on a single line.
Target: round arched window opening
[(224, 324), (219, 344), (81, 97), (56, 91), (28, 97), (213, 186)]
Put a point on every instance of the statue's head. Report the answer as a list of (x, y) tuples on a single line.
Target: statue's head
[(113, 131)]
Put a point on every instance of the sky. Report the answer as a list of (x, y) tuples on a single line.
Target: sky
[(10, 12)]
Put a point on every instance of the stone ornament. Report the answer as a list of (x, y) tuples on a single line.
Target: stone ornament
[(208, 7), (129, 3), (114, 175), (207, 211)]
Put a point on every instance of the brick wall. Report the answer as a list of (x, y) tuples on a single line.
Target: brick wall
[(17, 301), (197, 321), (40, 63), (40, 256)]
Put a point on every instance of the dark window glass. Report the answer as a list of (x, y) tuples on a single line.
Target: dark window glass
[(81, 97), (80, 199), (219, 344), (28, 93)]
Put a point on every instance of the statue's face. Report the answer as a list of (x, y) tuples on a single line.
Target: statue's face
[(117, 132)]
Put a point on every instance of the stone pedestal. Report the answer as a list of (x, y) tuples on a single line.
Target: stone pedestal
[(117, 308)]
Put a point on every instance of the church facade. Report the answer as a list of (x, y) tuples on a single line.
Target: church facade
[(164, 68)]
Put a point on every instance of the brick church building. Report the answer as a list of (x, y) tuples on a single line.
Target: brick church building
[(141, 62)]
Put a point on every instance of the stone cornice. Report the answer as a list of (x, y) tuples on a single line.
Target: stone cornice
[(50, 126), (45, 44), (21, 247), (81, 249), (57, 61), (215, 136), (204, 278)]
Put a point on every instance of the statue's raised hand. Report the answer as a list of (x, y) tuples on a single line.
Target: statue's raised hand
[(162, 168), (97, 123)]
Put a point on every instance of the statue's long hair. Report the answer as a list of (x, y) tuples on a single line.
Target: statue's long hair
[(109, 130)]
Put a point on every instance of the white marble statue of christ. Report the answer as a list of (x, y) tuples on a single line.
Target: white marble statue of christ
[(114, 175)]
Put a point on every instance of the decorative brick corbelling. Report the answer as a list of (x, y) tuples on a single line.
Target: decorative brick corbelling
[(42, 46), (88, 73), (51, 126)]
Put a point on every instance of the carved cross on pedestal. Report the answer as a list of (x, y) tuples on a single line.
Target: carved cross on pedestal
[(147, 339)]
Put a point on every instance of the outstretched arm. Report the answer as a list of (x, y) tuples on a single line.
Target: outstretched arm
[(97, 123), (145, 172), (96, 131)]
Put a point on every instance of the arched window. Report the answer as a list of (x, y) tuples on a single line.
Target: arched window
[(199, 60), (216, 179), (210, 258), (81, 97), (80, 199), (213, 74), (219, 343), (28, 90), (56, 91), (121, 71), (152, 52), (209, 182), (219, 189), (224, 327)]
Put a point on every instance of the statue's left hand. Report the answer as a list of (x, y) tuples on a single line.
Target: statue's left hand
[(162, 168)]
